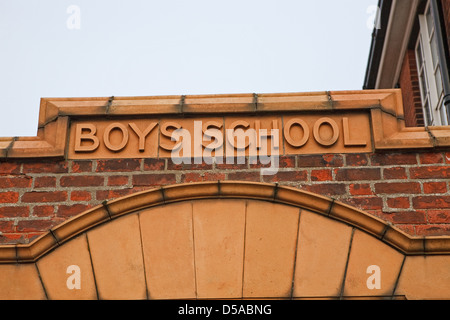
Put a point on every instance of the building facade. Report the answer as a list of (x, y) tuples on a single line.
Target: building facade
[(351, 193), (322, 195), (410, 50)]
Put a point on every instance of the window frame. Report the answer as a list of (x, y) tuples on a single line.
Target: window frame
[(432, 100)]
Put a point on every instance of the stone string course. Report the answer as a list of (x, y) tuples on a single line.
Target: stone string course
[(411, 190)]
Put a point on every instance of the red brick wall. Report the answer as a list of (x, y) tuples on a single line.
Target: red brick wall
[(411, 190), (409, 83)]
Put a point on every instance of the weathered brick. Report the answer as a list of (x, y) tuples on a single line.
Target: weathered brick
[(431, 172), (431, 158), (434, 187), (12, 212), (37, 225), (283, 162), (321, 175), (30, 236), (286, 162), (365, 203), (71, 210), (81, 166), (407, 228), (45, 167), (380, 214), (394, 173), (191, 177), (345, 174), (245, 176), (409, 217), (112, 194), (155, 179), (118, 165), (238, 163), (15, 182), (362, 189), (431, 202), (80, 195), (45, 182), (9, 168), (327, 189), (213, 176), (6, 226), (81, 181), (328, 160), (207, 176), (397, 187), (50, 196), (433, 230), (259, 165), (154, 164), (13, 238), (189, 164), (396, 159), (118, 180), (398, 203), (43, 211), (9, 197), (438, 216), (294, 176), (357, 159)]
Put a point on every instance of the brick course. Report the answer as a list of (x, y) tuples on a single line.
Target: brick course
[(409, 82), (411, 190)]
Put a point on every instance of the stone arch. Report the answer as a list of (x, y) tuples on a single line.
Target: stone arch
[(226, 240)]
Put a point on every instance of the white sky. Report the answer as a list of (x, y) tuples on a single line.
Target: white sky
[(165, 47)]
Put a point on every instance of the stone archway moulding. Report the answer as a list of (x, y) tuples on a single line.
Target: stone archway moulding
[(420, 264)]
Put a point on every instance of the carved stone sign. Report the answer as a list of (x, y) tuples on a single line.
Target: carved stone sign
[(229, 136)]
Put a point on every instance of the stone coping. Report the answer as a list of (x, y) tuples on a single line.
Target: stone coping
[(384, 106), (109, 210)]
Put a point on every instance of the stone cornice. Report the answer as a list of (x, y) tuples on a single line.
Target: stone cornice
[(384, 106)]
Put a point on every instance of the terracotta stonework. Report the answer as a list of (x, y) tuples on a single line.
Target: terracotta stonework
[(56, 115), (358, 200)]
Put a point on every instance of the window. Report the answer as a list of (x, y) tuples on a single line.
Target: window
[(429, 67)]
